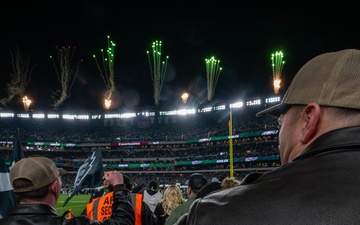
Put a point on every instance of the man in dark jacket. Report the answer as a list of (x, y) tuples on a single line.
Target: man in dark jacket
[(36, 182), (195, 183), (319, 145)]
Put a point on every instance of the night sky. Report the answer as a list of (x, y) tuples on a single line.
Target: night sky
[(242, 36)]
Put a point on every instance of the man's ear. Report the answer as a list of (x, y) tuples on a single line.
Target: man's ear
[(189, 190), (53, 187), (311, 116)]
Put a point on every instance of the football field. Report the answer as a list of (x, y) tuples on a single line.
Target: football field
[(77, 204)]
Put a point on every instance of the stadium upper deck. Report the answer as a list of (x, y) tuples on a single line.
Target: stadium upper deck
[(178, 141)]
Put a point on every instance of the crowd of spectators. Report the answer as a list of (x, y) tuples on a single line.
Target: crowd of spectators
[(247, 147)]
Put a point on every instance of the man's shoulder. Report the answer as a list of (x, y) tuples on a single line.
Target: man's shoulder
[(183, 207), (178, 212), (33, 219)]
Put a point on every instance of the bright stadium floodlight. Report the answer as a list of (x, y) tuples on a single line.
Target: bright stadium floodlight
[(82, 117), (112, 115), (7, 115), (53, 116), (68, 116), (237, 105), (128, 115), (23, 115), (272, 100), (184, 112), (219, 107), (38, 116), (253, 102), (206, 109)]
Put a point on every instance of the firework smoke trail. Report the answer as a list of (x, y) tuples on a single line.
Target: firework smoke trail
[(64, 73), (158, 69), (213, 70), (21, 76), (277, 66), (107, 72)]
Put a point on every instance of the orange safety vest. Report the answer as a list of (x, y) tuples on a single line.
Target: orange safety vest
[(100, 208), (136, 200)]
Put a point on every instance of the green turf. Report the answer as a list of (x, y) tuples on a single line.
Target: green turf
[(76, 203)]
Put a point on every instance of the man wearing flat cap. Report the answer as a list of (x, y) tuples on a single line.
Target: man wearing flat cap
[(319, 148), (36, 182)]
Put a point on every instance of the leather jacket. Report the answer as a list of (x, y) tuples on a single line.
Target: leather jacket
[(320, 186), (42, 214)]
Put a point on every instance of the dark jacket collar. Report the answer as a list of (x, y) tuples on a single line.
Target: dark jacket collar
[(335, 140), (34, 209)]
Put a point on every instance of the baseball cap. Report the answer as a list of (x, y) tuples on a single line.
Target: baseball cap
[(153, 184), (197, 181), (330, 79), (40, 170)]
